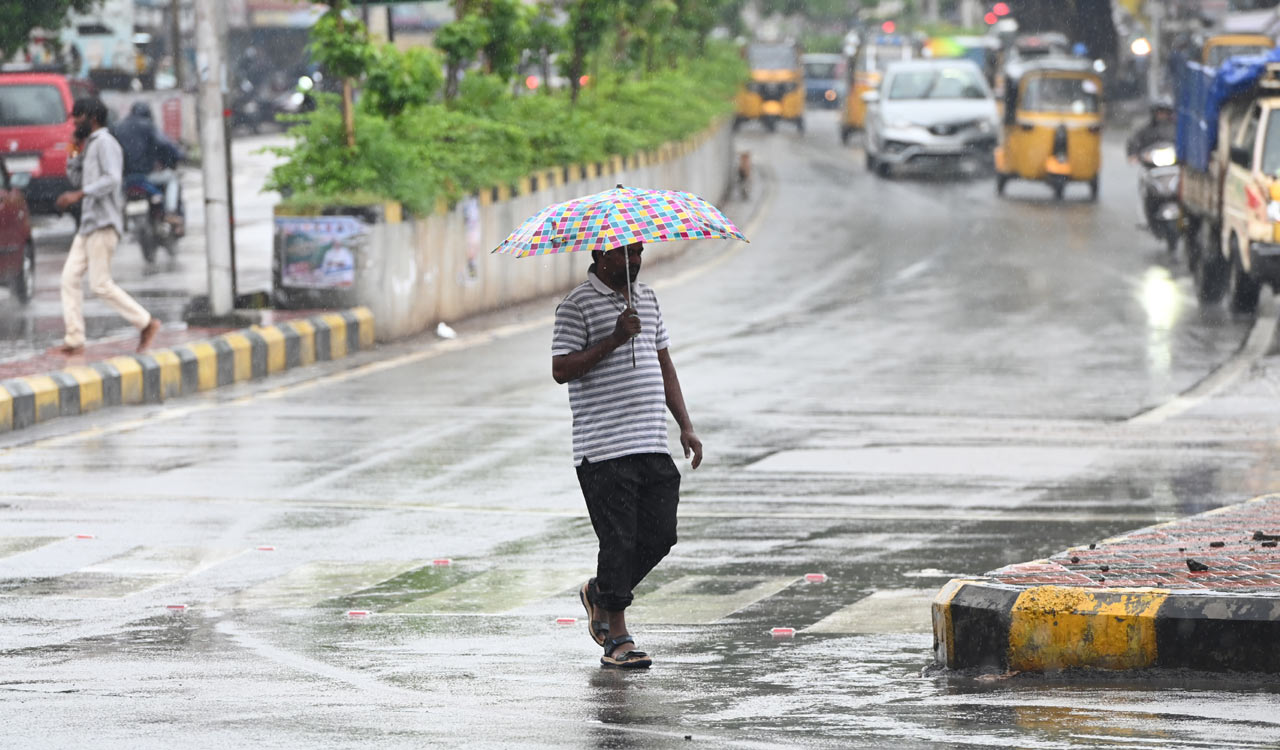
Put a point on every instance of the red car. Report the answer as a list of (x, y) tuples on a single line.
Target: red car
[(35, 132), (17, 251)]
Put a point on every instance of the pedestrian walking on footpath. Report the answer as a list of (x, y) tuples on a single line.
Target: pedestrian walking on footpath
[(619, 396), (101, 199)]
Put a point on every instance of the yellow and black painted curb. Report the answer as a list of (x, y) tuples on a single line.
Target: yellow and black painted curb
[(981, 624), (235, 357)]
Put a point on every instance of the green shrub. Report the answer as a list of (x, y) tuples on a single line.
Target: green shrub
[(417, 151)]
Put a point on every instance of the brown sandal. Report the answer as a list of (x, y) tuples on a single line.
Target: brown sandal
[(599, 629), (628, 659)]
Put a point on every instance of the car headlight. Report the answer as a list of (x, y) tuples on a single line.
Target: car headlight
[(901, 125), (985, 126), (1273, 211), (1164, 157)]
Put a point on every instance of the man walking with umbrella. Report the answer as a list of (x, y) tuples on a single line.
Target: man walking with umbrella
[(619, 396)]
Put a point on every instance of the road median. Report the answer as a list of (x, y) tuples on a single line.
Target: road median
[(1201, 592), (190, 367)]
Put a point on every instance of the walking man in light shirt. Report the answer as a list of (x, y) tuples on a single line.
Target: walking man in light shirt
[(630, 483), (101, 196)]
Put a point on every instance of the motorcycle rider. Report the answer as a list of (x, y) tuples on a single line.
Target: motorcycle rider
[(151, 159), (1160, 127)]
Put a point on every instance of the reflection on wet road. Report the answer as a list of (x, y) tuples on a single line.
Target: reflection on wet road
[(898, 382)]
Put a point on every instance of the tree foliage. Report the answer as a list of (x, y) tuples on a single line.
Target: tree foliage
[(18, 18), (460, 41)]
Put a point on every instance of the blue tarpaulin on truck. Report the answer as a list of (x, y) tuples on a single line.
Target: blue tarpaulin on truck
[(1201, 93)]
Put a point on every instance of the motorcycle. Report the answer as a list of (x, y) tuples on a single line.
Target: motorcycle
[(1158, 190), (249, 109), (149, 228)]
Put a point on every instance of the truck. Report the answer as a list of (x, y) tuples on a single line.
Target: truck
[(1228, 146)]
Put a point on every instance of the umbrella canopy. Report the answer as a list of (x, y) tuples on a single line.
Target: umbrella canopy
[(615, 218)]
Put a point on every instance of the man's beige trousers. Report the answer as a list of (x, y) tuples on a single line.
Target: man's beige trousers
[(92, 252)]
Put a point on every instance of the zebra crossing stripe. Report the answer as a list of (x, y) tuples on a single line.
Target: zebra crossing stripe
[(887, 611), (702, 600), (131, 572), (314, 582), (16, 545), (499, 591)]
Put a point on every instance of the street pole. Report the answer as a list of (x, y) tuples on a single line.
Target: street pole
[(1155, 12), (175, 35), (213, 147)]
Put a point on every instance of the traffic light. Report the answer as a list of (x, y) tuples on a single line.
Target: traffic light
[(888, 27)]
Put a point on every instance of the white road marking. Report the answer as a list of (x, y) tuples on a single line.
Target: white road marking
[(887, 611)]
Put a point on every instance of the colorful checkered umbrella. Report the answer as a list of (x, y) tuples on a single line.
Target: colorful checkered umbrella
[(617, 218)]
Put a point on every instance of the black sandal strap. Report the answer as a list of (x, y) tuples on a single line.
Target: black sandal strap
[(612, 644)]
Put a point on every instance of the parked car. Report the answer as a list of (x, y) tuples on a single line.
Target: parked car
[(17, 251), (930, 112), (36, 130)]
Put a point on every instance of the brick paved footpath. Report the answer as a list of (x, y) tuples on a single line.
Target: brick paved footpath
[(1201, 592)]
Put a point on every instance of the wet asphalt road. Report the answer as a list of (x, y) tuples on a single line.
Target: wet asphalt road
[(897, 382)]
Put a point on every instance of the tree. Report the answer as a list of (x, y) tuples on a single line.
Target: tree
[(588, 22), (19, 17), (460, 41), (545, 39), (398, 80), (506, 31), (343, 47)]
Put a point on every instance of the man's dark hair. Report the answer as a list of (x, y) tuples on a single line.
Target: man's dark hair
[(91, 107)]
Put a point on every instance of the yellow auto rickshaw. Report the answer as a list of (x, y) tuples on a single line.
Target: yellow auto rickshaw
[(1052, 125), (1217, 48), (863, 73), (776, 88)]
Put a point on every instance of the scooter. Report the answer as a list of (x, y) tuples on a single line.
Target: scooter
[(1158, 190), (148, 225)]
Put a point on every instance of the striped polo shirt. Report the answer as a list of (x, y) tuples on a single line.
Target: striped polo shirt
[(618, 410)]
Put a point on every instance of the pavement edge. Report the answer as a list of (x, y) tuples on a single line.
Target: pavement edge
[(247, 354), (986, 625)]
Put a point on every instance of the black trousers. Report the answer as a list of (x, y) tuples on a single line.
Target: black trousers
[(632, 501)]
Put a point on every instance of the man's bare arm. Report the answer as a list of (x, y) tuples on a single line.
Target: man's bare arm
[(675, 402), (566, 367)]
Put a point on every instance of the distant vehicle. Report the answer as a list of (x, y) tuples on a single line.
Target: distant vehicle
[(823, 79), (864, 72), (776, 89), (1052, 125), (36, 130), (17, 251), (106, 48), (1216, 49), (1158, 191), (930, 112)]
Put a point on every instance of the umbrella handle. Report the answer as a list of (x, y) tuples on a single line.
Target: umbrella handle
[(626, 255)]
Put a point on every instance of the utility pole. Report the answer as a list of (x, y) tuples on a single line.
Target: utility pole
[(213, 146), (1155, 63), (175, 36)]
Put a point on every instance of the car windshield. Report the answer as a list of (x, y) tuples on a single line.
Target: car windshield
[(936, 83), (820, 70), (1271, 147), (771, 57), (1220, 53), (31, 105), (1060, 94)]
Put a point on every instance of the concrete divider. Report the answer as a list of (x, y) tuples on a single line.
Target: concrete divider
[(234, 357), (414, 272)]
